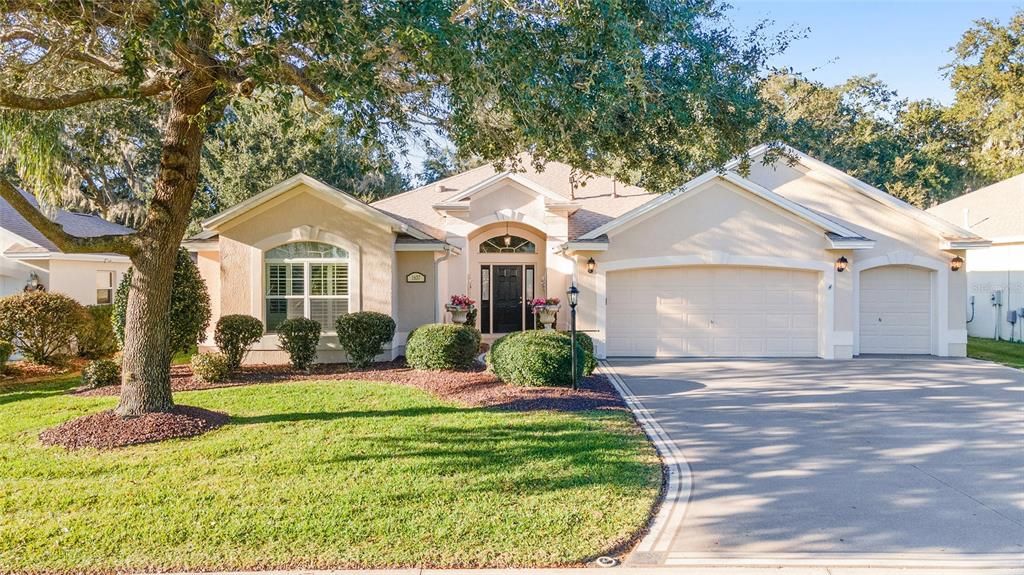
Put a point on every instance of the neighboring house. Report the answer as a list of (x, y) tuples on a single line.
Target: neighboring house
[(727, 265), (26, 256), (995, 275)]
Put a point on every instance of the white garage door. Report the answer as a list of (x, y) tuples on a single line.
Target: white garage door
[(895, 310), (712, 311)]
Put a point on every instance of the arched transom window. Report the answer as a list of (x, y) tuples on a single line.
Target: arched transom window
[(306, 279), (507, 244)]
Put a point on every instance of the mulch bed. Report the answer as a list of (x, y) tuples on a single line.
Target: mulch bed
[(105, 430), (476, 388), (23, 371)]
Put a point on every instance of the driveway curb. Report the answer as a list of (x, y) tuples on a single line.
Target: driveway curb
[(678, 485)]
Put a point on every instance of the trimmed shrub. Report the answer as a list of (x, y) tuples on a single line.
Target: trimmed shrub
[(299, 337), (534, 358), (190, 305), (41, 325), (101, 373), (210, 367), (442, 346), (587, 343), (363, 334), (6, 351), (235, 334), (95, 337)]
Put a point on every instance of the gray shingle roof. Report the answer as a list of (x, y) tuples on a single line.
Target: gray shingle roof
[(79, 225)]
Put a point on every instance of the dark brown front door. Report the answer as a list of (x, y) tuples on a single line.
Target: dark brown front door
[(508, 298)]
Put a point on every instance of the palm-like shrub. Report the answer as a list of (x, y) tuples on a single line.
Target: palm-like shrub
[(300, 337), (534, 358), (363, 334), (190, 305), (442, 346), (41, 325), (235, 334)]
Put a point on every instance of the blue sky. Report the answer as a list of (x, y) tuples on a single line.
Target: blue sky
[(904, 42)]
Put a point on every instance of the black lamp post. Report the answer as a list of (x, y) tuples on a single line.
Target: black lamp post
[(574, 297)]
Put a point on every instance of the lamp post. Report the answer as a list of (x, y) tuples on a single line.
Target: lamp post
[(574, 296)]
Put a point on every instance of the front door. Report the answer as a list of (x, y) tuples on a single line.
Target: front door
[(508, 299)]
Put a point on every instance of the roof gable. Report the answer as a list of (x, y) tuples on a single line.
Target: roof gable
[(318, 188), (995, 211), (834, 230)]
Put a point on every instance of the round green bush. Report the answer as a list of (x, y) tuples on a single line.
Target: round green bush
[(41, 325), (210, 367), (534, 358), (442, 346), (299, 337), (101, 373), (190, 305), (96, 337), (235, 334), (363, 334), (587, 343), (6, 351)]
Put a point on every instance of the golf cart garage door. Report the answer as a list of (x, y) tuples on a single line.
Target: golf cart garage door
[(896, 310), (712, 311)]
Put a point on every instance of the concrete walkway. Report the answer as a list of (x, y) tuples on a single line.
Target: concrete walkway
[(871, 463)]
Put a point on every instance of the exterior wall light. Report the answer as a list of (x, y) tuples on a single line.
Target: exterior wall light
[(956, 263), (591, 265), (842, 263)]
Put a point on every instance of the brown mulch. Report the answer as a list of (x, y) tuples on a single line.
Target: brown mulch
[(105, 430), (475, 388), (24, 372)]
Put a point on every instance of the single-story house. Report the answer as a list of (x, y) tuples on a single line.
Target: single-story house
[(28, 259), (790, 259), (995, 275)]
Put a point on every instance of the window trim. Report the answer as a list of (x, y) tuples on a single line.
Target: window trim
[(499, 239), (307, 297)]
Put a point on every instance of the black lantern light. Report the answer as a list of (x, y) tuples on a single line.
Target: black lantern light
[(956, 263), (574, 297), (508, 237), (591, 265), (842, 263)]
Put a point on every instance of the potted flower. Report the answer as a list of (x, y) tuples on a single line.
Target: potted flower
[(460, 306), (546, 309)]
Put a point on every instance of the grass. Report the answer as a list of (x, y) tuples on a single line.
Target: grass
[(1005, 352), (321, 474)]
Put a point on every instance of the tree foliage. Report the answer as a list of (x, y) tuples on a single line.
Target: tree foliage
[(273, 136), (988, 77)]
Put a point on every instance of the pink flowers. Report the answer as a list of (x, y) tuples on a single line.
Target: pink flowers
[(537, 302), (461, 300)]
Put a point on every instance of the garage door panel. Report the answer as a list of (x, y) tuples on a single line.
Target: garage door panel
[(713, 311), (895, 310)]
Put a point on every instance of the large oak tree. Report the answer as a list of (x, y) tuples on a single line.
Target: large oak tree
[(645, 90)]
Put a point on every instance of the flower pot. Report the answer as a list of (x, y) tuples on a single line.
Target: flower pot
[(459, 313), (546, 315)]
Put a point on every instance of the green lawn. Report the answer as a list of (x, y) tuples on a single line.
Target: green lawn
[(324, 474), (1004, 352)]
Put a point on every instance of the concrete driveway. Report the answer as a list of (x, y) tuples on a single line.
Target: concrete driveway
[(871, 462)]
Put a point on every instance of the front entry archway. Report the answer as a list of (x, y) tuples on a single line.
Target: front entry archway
[(508, 260)]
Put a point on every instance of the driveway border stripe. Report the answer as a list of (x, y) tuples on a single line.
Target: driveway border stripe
[(679, 484)]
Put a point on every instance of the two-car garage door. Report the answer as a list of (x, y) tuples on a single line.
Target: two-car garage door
[(714, 311)]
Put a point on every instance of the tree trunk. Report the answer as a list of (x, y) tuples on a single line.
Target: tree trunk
[(146, 365)]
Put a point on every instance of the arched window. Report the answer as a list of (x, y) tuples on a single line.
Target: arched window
[(505, 244), (306, 279)]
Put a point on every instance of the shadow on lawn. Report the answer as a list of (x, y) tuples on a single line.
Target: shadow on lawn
[(334, 415)]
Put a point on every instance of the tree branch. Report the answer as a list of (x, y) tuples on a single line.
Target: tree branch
[(76, 55), (150, 87), (67, 243), (296, 77)]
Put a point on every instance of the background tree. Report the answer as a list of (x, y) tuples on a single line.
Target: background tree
[(987, 75), (660, 89), (440, 162), (273, 136)]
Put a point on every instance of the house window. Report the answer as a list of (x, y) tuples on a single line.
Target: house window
[(105, 287), (508, 245), (306, 279)]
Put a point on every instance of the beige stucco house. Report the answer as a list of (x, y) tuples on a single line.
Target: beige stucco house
[(726, 265), (27, 257), (995, 275)]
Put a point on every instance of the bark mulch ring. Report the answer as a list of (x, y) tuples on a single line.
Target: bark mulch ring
[(105, 430), (475, 388)]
